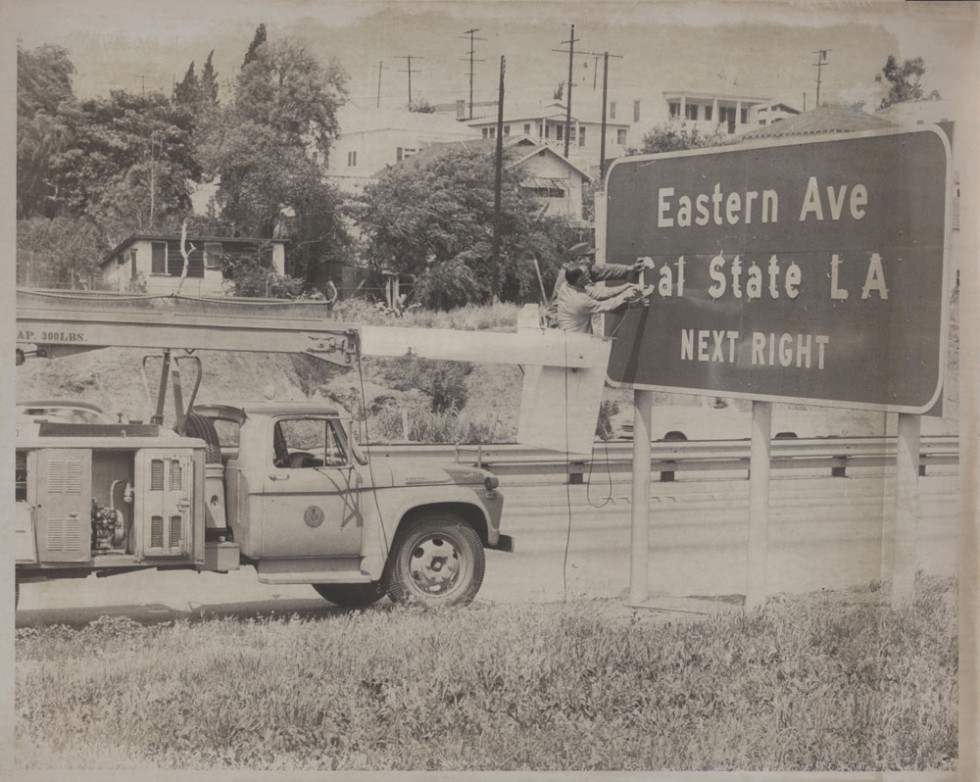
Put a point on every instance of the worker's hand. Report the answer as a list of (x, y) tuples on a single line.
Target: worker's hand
[(635, 292), (643, 263)]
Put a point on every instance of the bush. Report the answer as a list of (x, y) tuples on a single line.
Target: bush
[(443, 381), (425, 426)]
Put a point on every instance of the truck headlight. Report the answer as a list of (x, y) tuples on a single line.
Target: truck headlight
[(491, 482)]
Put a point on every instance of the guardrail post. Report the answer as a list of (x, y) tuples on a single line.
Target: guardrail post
[(759, 462), (640, 508)]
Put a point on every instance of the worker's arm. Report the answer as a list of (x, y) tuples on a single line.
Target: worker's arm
[(610, 271), (630, 293)]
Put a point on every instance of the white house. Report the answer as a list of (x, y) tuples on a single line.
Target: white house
[(711, 112), (153, 263), (544, 124), (372, 139)]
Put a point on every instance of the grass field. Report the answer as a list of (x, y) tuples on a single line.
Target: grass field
[(818, 682)]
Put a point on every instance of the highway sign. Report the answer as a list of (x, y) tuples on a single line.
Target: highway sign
[(803, 272)]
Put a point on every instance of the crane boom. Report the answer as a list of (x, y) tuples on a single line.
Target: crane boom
[(563, 371)]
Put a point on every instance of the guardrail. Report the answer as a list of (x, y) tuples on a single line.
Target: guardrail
[(834, 455)]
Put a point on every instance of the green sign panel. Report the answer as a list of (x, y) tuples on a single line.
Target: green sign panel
[(803, 272)]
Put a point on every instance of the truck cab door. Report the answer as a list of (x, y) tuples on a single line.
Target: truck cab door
[(311, 498)]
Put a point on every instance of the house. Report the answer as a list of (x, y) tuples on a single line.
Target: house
[(554, 182), (775, 112), (712, 112), (372, 139), (153, 262), (544, 124)]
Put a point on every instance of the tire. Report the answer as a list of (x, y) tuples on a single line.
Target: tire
[(351, 595), (438, 561), (202, 427)]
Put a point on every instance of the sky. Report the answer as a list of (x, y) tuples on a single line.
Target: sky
[(761, 48)]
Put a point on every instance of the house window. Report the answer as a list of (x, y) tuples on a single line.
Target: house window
[(691, 111), (486, 132), (506, 130), (132, 264), (158, 265), (707, 113), (675, 109), (621, 136), (636, 111), (559, 132), (527, 128), (581, 137), (745, 116), (212, 255), (612, 110), (546, 131), (351, 159), (571, 134), (493, 132)]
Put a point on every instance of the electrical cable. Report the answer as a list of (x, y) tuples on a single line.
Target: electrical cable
[(588, 481), (568, 491), (367, 449)]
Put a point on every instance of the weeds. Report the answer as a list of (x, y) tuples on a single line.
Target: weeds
[(808, 684)]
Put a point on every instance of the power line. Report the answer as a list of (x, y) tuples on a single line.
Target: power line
[(471, 33), (409, 58)]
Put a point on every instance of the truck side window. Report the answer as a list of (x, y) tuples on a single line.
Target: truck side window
[(308, 442)]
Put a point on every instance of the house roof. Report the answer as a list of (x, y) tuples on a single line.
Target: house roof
[(353, 120), (820, 121), (176, 237), (517, 150), (693, 95), (554, 110)]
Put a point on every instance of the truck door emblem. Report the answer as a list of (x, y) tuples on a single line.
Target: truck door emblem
[(313, 516)]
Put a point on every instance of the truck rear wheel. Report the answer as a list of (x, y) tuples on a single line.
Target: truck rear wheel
[(351, 595), (436, 562)]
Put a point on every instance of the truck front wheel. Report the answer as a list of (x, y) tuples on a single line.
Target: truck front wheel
[(436, 562), (351, 595)]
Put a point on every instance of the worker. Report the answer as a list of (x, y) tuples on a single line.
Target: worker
[(576, 298)]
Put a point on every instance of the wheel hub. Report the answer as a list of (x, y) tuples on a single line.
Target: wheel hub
[(434, 565)]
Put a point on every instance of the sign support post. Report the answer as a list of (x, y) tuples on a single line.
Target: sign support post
[(640, 508), (899, 543), (759, 462)]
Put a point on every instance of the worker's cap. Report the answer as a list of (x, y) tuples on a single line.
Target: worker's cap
[(581, 250)]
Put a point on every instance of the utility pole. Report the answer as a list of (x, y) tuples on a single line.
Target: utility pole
[(497, 183), (471, 33), (380, 68), (568, 108), (605, 95), (409, 58), (821, 61)]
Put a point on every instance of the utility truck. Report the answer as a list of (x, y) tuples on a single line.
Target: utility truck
[(282, 487)]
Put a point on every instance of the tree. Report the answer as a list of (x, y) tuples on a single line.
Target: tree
[(187, 92), (903, 81), (45, 107), (209, 83), (129, 165), (265, 150), (60, 252), (284, 87), (432, 219), (674, 137), (257, 40)]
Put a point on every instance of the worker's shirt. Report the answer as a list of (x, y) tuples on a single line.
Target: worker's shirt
[(575, 308)]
